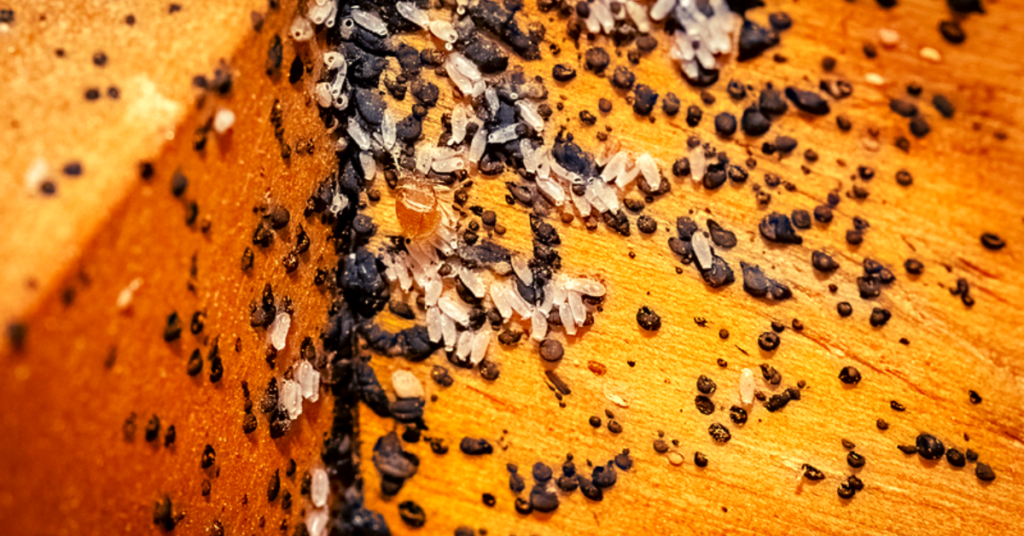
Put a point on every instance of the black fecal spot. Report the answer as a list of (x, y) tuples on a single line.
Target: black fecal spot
[(944, 106), (758, 285), (359, 277), (296, 70), (777, 227), (966, 6), (370, 392), (596, 59), (754, 40), (903, 107), (542, 499), (930, 447), (571, 157), (807, 101), (371, 105), (623, 78), (754, 123), (589, 490), (644, 99), (411, 343), (487, 55), (475, 446), (275, 55), (771, 101)]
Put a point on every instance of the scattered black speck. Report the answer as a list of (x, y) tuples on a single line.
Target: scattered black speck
[(768, 341), (475, 446), (984, 472), (209, 457), (879, 317), (644, 100), (929, 447), (412, 514), (172, 331), (719, 433), (992, 241), (849, 375), (807, 101), (952, 31), (648, 319)]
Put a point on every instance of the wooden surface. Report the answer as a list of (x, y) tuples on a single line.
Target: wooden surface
[(65, 467), (965, 183), (65, 464)]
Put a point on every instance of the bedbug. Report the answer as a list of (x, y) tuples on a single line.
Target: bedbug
[(418, 207)]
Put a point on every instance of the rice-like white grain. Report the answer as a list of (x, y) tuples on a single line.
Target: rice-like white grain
[(579, 311), (639, 15), (316, 521), (358, 135), (585, 287), (549, 298), (522, 270), (501, 301), (434, 324), (432, 293), (601, 11), (473, 282), (615, 166), (593, 25), (627, 177), (369, 165), (301, 29), (406, 384), (565, 315), (319, 487), (552, 189), (457, 310), (538, 327), (698, 163), (504, 134), (747, 387), (465, 345), (478, 145), (370, 21), (413, 14), (389, 131), (444, 31), (702, 250), (465, 66), (290, 398), (459, 122), (424, 157), (278, 330), (463, 82), (481, 340), (448, 165), (448, 332), (649, 169), (530, 115), (308, 379), (662, 8)]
